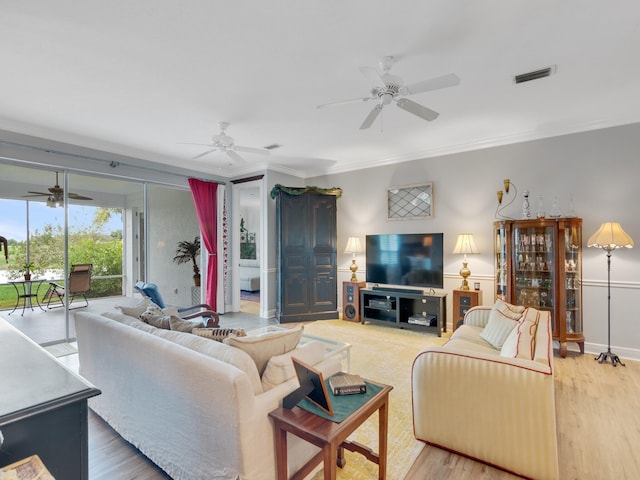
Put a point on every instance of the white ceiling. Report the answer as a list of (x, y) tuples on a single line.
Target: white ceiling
[(137, 77)]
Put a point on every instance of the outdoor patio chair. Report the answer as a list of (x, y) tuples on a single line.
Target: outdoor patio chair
[(79, 284), (204, 310)]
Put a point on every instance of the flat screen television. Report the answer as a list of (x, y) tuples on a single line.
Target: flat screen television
[(411, 259)]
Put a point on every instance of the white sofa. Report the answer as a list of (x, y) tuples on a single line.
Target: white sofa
[(196, 407), (471, 400)]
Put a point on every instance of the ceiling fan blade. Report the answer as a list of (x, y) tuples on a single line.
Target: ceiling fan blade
[(417, 109), (449, 80), (373, 114), (373, 76), (201, 144), (261, 151), (75, 196), (235, 156), (344, 102), (37, 194), (204, 153)]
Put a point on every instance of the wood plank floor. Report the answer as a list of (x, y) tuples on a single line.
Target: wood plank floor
[(598, 412)]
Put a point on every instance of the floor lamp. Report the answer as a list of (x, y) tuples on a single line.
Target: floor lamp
[(609, 237)]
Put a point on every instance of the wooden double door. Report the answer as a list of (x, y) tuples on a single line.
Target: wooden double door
[(307, 273)]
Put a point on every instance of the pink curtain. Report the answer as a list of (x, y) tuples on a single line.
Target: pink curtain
[(204, 199)]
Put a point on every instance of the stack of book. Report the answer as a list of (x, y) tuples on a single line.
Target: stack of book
[(347, 384)]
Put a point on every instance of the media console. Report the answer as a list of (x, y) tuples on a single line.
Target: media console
[(406, 308)]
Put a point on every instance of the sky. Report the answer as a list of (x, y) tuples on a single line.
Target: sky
[(14, 213)]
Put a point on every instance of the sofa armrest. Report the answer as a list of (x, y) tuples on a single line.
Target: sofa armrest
[(477, 316), (495, 409)]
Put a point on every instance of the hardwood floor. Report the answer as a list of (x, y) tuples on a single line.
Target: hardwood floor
[(597, 416)]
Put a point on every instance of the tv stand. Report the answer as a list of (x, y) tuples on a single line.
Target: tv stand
[(405, 308), (398, 289)]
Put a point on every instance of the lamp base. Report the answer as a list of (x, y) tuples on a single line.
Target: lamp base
[(602, 358)]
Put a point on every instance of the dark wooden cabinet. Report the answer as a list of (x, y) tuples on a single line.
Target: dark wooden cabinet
[(43, 408), (307, 253)]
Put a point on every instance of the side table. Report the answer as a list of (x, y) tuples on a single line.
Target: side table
[(331, 437), (28, 294)]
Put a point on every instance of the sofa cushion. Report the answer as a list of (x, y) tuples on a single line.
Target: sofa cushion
[(280, 367), (129, 320), (262, 347), (217, 350), (135, 310), (502, 320), (521, 342)]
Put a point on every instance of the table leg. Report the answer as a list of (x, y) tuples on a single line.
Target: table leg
[(281, 453), (383, 418), (330, 453)]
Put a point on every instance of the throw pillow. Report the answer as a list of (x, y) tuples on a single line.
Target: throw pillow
[(262, 347), (502, 320), (136, 310), (219, 334), (151, 289), (181, 325), (521, 342), (280, 367), (154, 315)]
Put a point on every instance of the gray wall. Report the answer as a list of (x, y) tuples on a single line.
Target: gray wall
[(598, 169)]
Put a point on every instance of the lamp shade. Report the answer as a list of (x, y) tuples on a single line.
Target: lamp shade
[(465, 244), (610, 236), (353, 245)]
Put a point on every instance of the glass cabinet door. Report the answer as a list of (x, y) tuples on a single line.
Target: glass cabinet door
[(572, 278), (534, 266), (502, 273)]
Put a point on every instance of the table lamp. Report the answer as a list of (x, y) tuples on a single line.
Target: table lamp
[(465, 245), (353, 246)]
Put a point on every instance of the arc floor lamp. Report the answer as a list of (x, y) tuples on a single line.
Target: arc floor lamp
[(609, 236)]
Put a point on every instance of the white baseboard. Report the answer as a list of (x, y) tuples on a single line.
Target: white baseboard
[(595, 349)]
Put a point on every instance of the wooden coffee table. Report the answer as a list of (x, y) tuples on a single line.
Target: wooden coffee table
[(331, 437)]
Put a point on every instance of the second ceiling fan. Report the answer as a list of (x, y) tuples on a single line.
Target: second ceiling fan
[(387, 88), (224, 143)]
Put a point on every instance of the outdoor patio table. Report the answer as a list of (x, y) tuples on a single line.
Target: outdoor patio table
[(26, 291)]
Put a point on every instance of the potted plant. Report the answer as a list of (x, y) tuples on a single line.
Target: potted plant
[(189, 251), (26, 270)]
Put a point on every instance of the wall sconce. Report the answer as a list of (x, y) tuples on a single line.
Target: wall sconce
[(353, 246), (501, 196), (465, 245)]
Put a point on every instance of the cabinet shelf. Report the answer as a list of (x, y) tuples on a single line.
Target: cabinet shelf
[(408, 309)]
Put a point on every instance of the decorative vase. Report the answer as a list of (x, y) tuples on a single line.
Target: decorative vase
[(27, 277)]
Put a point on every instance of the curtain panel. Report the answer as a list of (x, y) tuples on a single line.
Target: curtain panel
[(205, 200)]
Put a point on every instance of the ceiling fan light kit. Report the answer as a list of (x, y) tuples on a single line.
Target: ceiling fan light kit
[(387, 88)]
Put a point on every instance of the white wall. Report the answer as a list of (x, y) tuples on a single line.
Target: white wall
[(598, 169)]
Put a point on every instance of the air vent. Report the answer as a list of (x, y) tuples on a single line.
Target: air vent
[(535, 75), (273, 146)]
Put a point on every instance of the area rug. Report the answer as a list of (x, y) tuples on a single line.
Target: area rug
[(61, 349), (383, 354)]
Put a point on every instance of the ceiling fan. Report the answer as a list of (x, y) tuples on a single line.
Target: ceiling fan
[(387, 88), (224, 143), (56, 195)]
